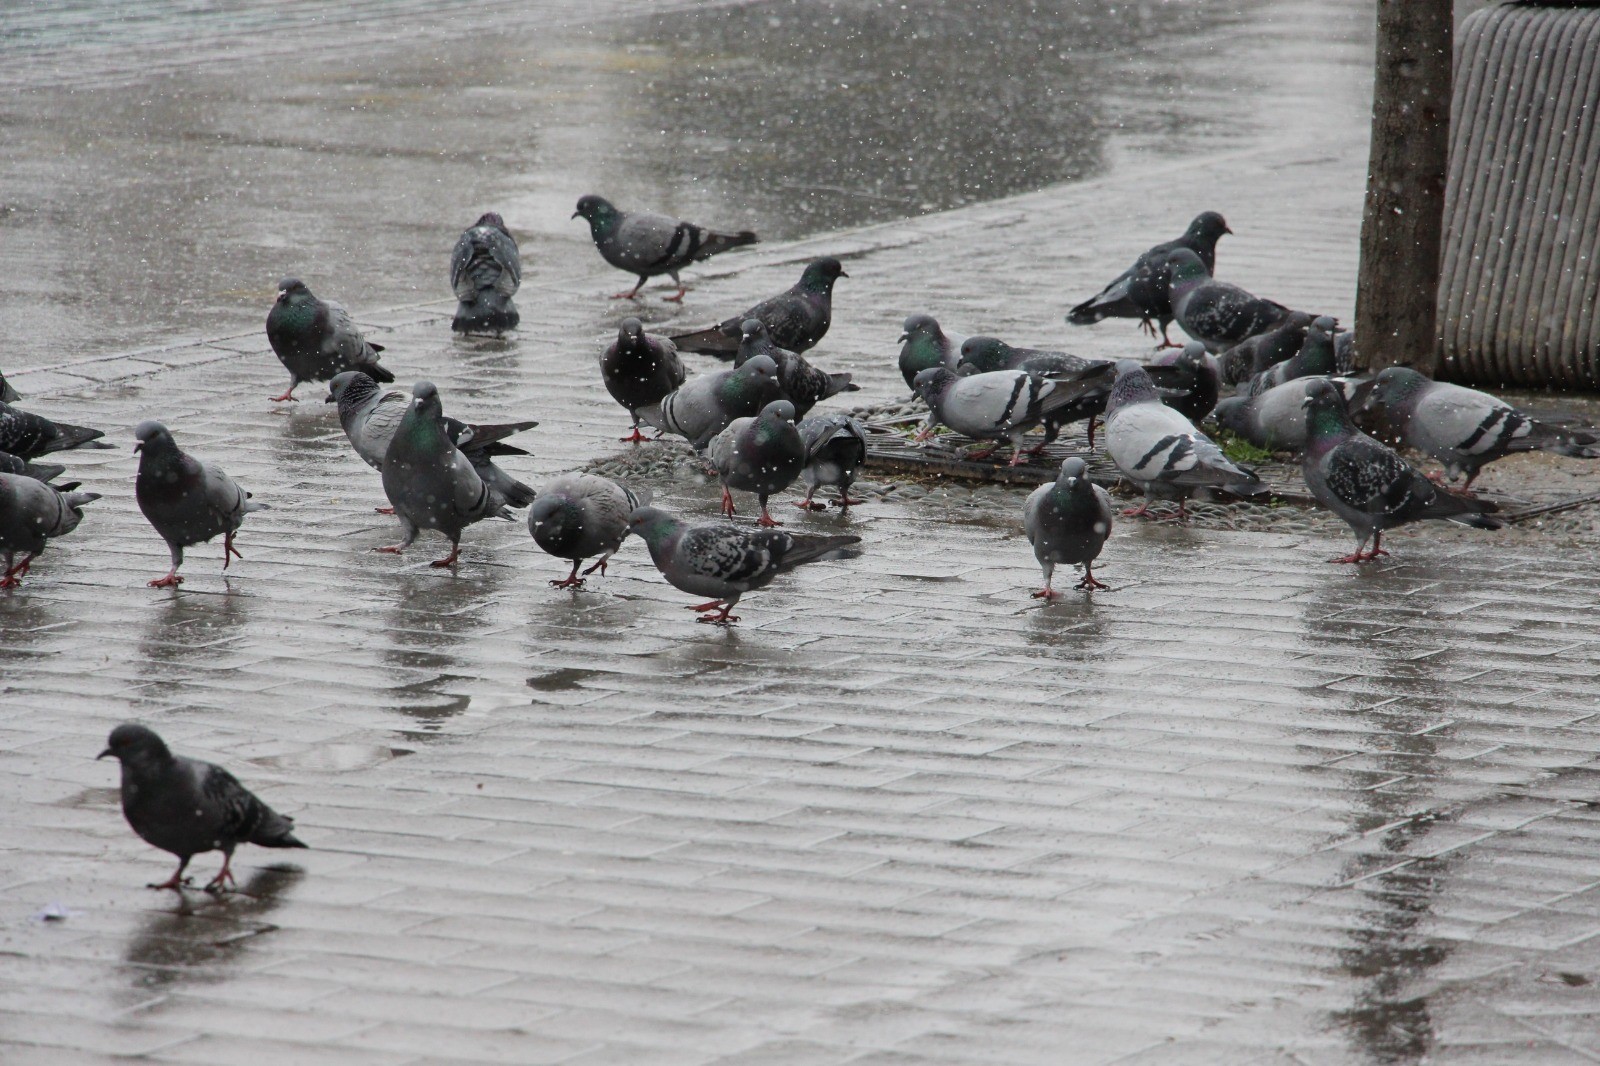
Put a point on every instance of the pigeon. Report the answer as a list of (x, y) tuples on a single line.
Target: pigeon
[(924, 346), (1217, 314), (46, 472), (370, 418), (1314, 359), (1254, 354), (836, 448), (430, 484), (7, 393), (725, 561), (316, 339), (485, 271), (186, 806), (803, 384), (763, 455), (1068, 521), (708, 403), (1463, 428), (1141, 290), (31, 513), (650, 245), (579, 515), (1367, 484), (988, 354), (1161, 451), (1000, 405), (797, 318), (640, 369), (1276, 419), (186, 500), (28, 436), (1189, 380)]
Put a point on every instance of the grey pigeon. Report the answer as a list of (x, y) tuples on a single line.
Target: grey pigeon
[(1276, 419), (724, 561), (31, 513), (28, 436), (581, 515), (1369, 486), (836, 448), (650, 245), (1068, 521), (923, 346), (1190, 380), (1000, 406), (763, 455), (371, 416), (1254, 354), (1161, 451), (485, 271), (1314, 359), (1215, 313), (988, 354), (46, 472), (803, 384), (797, 318), (186, 500), (708, 403), (186, 806), (430, 484), (1141, 291), (640, 369), (1463, 428), (7, 393), (316, 339)]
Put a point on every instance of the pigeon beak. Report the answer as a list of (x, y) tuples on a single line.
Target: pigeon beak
[(575, 214), (1227, 229), (1305, 403), (102, 755), (904, 337), (330, 398), (842, 274), (137, 446)]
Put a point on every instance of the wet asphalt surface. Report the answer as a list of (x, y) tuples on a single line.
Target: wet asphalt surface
[(1245, 808)]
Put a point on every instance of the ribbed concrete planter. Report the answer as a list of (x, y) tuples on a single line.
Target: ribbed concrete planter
[(1519, 293)]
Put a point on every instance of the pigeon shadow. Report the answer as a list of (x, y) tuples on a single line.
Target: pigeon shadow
[(430, 625)]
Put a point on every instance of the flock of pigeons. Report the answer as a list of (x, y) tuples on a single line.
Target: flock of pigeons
[(751, 422)]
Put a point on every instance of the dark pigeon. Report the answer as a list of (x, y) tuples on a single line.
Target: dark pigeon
[(1141, 290), (46, 472), (1369, 486), (485, 271), (797, 318), (763, 455), (1215, 313), (988, 354), (581, 515), (187, 501), (708, 403), (1462, 428), (1189, 380), (640, 369), (650, 245), (316, 339), (1254, 354), (836, 448), (7, 393), (1315, 358), (28, 436), (803, 384), (32, 514), (923, 346), (1068, 521), (187, 807), (725, 561)]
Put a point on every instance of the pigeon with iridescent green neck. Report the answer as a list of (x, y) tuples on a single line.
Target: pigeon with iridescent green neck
[(650, 245), (1315, 358), (725, 561), (316, 339), (31, 515), (1215, 313), (1463, 428), (803, 385), (581, 515), (1141, 291), (639, 369), (430, 484), (763, 455), (796, 318), (187, 501), (707, 404), (1067, 521), (923, 346), (1369, 486)]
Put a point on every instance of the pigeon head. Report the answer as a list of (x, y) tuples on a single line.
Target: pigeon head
[(350, 387), (631, 329), (1073, 471), (760, 368), (492, 218), (1208, 226), (652, 525), (1395, 389), (134, 743), (932, 383), (781, 410), (153, 436), (596, 210), (425, 398), (984, 354), (920, 326), (1326, 418), (820, 274), (293, 290), (1133, 386), (752, 329), (1326, 324), (1232, 414), (1184, 266)]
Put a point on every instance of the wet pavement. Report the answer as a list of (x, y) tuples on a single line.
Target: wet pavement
[(1245, 808)]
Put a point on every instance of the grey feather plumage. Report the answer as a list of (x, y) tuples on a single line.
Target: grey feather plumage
[(485, 273), (648, 245), (836, 450), (1068, 521), (187, 501), (316, 339), (33, 513), (1315, 358), (803, 384), (7, 393), (1216, 313), (708, 403), (188, 807), (1141, 291), (796, 318), (28, 436), (639, 369), (1276, 419), (1160, 450), (1001, 405), (763, 455), (579, 516)]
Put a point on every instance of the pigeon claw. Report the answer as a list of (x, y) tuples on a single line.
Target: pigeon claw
[(1047, 594), (844, 502), (727, 502), (287, 397), (567, 583), (1089, 584), (808, 504), (722, 619), (170, 581), (384, 510), (391, 549), (449, 560), (709, 605), (677, 297), (635, 437), (599, 564), (229, 552), (767, 520)]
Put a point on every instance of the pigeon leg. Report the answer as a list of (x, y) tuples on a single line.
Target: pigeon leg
[(807, 505), (722, 619), (1141, 511), (766, 519), (1377, 539), (1466, 490), (571, 581), (177, 880), (172, 580), (1357, 556), (1166, 341), (13, 575), (1094, 422), (635, 437), (599, 564), (219, 884), (635, 292), (677, 298), (727, 502), (923, 435), (384, 510), (982, 453), (288, 394), (449, 560), (1183, 514), (709, 605), (1049, 592), (408, 535), (1089, 584), (1147, 326), (229, 550)]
